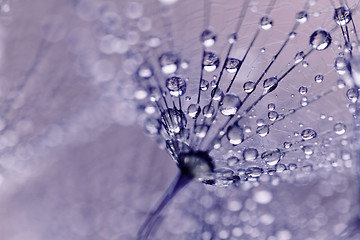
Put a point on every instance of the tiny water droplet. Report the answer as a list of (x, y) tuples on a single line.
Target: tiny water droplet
[(176, 86), (270, 84), (266, 23), (250, 154), (201, 130), (169, 63), (272, 157), (352, 94), (342, 16), (320, 40), (217, 94), (144, 71), (208, 111), (308, 149), (302, 16), (229, 104), (303, 90), (235, 134), (204, 85), (232, 161), (287, 145), (299, 57), (262, 50), (208, 38), (210, 61), (271, 106), (249, 87), (308, 134), (232, 64), (194, 110), (340, 65), (319, 78), (273, 115), (339, 128), (232, 38), (263, 131)]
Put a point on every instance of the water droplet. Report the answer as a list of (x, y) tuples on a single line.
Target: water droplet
[(302, 16), (217, 94), (232, 64), (249, 87), (224, 177), (204, 85), (303, 90), (272, 157), (208, 38), (254, 172), (144, 71), (173, 120), (266, 23), (320, 40), (339, 128), (262, 50), (271, 106), (308, 149), (169, 63), (263, 131), (229, 104), (342, 16), (201, 130), (292, 35), (232, 161), (299, 57), (340, 65), (352, 94), (194, 110), (208, 111), (210, 61), (287, 145), (235, 134), (319, 78), (270, 84), (273, 115), (250, 154), (308, 134), (292, 166), (232, 38), (176, 86), (305, 64), (304, 101)]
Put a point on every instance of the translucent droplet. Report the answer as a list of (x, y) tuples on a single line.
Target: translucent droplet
[(232, 38), (308, 149), (232, 161), (340, 65), (319, 78), (263, 131), (303, 90), (254, 172), (208, 38), (169, 63), (210, 61), (339, 128), (302, 16), (194, 110), (232, 64), (235, 134), (176, 86), (308, 134), (250, 154), (224, 177), (287, 145), (173, 120), (304, 101), (299, 57), (271, 106), (144, 71), (217, 94), (292, 35), (292, 166), (208, 111), (204, 85), (249, 87), (320, 40), (342, 16), (266, 23), (273, 115), (201, 130), (272, 157), (229, 104), (270, 84), (352, 94)]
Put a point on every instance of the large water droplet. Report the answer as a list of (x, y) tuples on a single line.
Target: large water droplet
[(208, 38), (273, 115), (235, 134), (263, 130), (270, 84), (320, 40), (194, 110), (232, 64), (176, 86), (250, 154), (169, 63), (342, 16), (249, 87), (266, 23), (210, 61), (272, 157), (308, 134), (229, 104), (302, 17)]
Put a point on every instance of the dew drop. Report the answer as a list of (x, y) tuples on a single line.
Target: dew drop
[(249, 87), (229, 104), (201, 130), (208, 111), (266, 23), (176, 86), (319, 78), (320, 40), (299, 57), (270, 84), (174, 120), (342, 16), (235, 134), (308, 149), (339, 128), (204, 85), (210, 61), (232, 161), (340, 65), (303, 90), (169, 63), (250, 154), (308, 134), (272, 157), (232, 65), (271, 106), (144, 71), (302, 16), (263, 131), (352, 94), (232, 38), (273, 115), (194, 110), (217, 94), (208, 38), (287, 145)]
